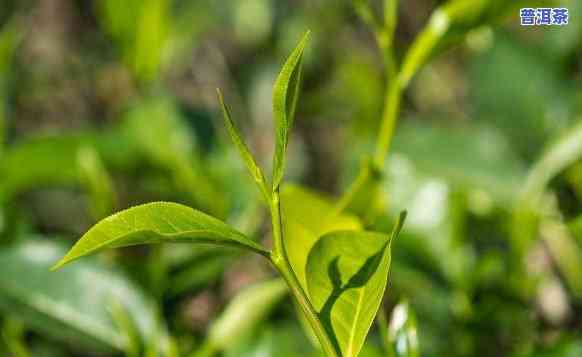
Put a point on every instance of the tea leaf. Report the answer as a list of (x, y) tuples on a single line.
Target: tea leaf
[(347, 272), (243, 150), (285, 94), (72, 306), (157, 222), (306, 217), (244, 312)]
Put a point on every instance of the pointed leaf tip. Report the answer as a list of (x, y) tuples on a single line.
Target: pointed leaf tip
[(248, 158), (285, 95), (157, 222), (347, 274), (400, 223)]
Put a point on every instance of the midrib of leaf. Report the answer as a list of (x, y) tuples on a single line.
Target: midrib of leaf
[(172, 238), (356, 317)]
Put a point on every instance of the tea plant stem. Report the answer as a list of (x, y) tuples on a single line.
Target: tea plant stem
[(385, 38), (389, 117), (415, 58), (281, 262)]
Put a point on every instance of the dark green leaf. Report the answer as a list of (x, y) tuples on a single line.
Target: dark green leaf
[(347, 273), (285, 95), (157, 222), (73, 305)]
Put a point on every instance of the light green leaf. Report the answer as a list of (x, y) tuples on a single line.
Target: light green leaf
[(347, 273), (74, 305), (157, 222), (243, 150), (244, 312), (307, 215), (402, 334), (285, 95)]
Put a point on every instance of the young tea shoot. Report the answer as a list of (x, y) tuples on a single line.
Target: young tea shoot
[(337, 273)]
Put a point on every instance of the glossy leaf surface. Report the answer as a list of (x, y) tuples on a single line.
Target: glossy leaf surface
[(285, 94), (347, 273), (157, 222)]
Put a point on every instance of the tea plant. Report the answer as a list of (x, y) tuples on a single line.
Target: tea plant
[(333, 267), (338, 283)]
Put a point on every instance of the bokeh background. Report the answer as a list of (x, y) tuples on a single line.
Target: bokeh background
[(107, 104)]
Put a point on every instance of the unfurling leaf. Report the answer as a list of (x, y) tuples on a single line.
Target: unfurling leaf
[(347, 272), (285, 94), (243, 150), (157, 222)]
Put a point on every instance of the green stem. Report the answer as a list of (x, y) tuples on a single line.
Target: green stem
[(281, 263), (415, 57), (389, 117), (385, 38)]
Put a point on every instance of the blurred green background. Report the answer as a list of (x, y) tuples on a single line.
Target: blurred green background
[(106, 104)]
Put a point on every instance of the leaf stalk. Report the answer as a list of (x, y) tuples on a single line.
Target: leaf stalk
[(280, 261)]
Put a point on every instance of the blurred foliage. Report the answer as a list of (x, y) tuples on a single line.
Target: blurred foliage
[(108, 104)]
